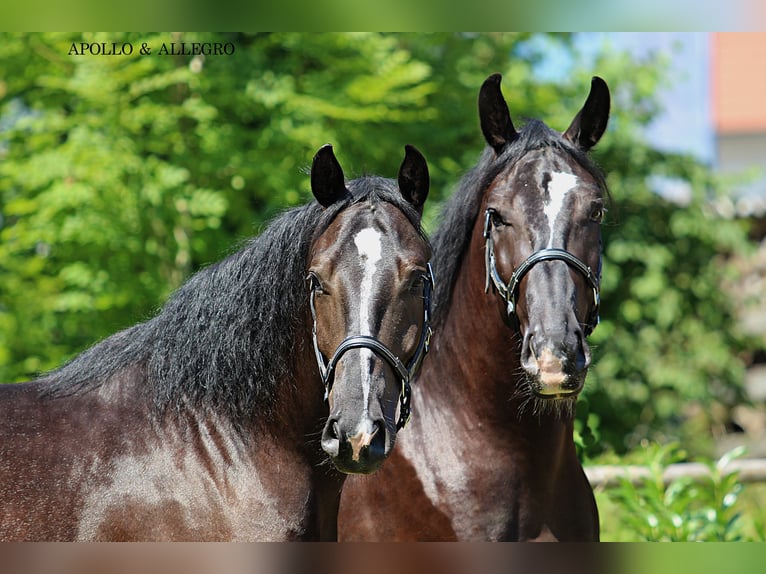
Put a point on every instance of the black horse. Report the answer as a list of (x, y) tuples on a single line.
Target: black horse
[(490, 454), (205, 422)]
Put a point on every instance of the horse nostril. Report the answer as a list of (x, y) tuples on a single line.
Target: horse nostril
[(528, 352), (379, 448), (330, 438)]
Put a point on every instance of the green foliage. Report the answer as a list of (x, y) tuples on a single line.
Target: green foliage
[(668, 344), (100, 205), (668, 339), (122, 175), (685, 510)]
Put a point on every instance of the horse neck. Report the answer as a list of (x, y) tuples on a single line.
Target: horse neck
[(471, 342), (299, 406)]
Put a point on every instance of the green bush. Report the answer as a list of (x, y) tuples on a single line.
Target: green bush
[(685, 510)]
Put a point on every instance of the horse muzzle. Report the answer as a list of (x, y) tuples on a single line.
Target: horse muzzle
[(360, 449), (555, 375)]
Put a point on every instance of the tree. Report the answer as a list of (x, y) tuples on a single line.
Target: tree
[(123, 174), (668, 341)]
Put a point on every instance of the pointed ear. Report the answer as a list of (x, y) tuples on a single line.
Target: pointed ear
[(496, 124), (590, 122), (327, 182), (413, 178)]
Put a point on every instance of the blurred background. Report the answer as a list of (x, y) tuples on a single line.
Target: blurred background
[(122, 174)]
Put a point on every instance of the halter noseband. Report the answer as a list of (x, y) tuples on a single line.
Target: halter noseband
[(509, 292), (405, 373)]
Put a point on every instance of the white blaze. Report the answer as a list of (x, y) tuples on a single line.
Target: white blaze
[(368, 244), (558, 188)]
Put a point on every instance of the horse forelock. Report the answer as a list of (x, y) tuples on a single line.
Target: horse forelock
[(374, 190)]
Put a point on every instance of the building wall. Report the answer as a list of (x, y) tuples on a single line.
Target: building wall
[(738, 82), (738, 104)]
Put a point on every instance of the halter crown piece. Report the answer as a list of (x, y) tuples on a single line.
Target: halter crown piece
[(509, 292), (406, 373)]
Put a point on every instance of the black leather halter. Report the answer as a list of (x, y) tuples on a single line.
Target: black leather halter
[(406, 373), (509, 292)]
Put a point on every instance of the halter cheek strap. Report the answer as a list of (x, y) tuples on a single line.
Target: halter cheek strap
[(509, 292), (405, 373)]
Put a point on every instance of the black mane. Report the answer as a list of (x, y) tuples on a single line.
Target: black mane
[(453, 235), (231, 333)]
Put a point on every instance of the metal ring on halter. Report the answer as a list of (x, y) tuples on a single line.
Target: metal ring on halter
[(508, 292), (405, 373)]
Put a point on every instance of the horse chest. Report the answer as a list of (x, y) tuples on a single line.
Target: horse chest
[(471, 474)]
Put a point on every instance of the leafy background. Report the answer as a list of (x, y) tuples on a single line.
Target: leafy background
[(121, 176)]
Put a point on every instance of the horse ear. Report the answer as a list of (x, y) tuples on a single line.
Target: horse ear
[(413, 177), (327, 181), (496, 124), (590, 122)]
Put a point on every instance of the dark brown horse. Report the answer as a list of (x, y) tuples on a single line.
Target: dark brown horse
[(206, 422), (490, 453)]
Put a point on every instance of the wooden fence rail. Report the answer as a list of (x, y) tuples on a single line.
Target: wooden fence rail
[(750, 470)]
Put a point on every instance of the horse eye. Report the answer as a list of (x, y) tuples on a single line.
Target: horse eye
[(416, 284), (497, 219), (597, 214)]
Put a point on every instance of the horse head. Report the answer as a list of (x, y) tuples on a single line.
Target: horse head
[(542, 217), (370, 283)]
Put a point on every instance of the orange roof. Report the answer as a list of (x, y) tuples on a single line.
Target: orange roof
[(738, 89)]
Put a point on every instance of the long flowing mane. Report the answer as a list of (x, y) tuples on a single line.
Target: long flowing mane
[(453, 234), (230, 334)]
